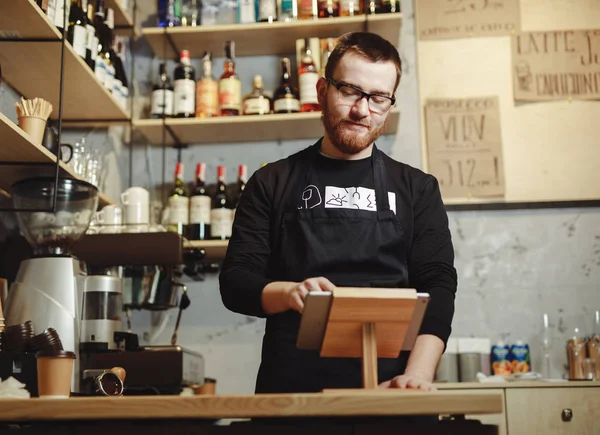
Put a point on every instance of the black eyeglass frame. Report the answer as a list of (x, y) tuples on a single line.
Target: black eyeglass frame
[(364, 94)]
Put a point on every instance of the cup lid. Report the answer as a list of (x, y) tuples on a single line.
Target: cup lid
[(53, 353)]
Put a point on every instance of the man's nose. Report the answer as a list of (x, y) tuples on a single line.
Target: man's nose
[(361, 107)]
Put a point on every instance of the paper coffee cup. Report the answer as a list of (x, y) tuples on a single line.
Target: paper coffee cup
[(34, 126), (54, 370)]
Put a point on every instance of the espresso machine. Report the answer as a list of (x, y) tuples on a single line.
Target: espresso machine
[(45, 290)]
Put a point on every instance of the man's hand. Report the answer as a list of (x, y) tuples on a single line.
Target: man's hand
[(294, 297), (409, 381)]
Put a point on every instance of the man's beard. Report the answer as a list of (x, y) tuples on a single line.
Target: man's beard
[(347, 141)]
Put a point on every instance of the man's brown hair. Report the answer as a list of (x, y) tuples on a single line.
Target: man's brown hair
[(369, 45)]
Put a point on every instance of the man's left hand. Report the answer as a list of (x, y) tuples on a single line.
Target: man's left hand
[(409, 381)]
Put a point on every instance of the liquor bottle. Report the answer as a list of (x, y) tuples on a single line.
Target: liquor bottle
[(169, 13), (256, 102), (91, 46), (330, 45), (241, 185), (190, 13), (246, 12), (286, 99), (329, 8), (200, 207), (308, 9), (179, 204), (184, 97), (60, 13), (267, 11), (307, 80), (207, 90), (162, 95), (287, 10), (100, 66), (108, 36), (221, 213), (230, 87), (77, 32), (349, 8), (120, 75)]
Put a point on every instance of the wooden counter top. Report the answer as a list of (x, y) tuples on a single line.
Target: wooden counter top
[(515, 384), (375, 403)]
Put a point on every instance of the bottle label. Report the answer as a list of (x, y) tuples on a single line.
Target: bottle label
[(308, 88), (109, 76), (90, 34), (51, 11), (247, 12), (256, 106), (307, 8), (79, 40), (267, 9), (100, 69), (230, 94), (162, 99), (207, 98), (288, 104), (221, 221), (95, 43), (287, 8), (178, 209), (59, 14), (200, 209), (117, 86), (184, 96)]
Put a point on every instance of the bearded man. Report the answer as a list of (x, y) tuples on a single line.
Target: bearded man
[(342, 213)]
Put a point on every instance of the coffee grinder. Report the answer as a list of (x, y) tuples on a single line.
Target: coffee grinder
[(45, 288)]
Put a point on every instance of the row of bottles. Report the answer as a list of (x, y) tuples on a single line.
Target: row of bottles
[(90, 31), (173, 13), (207, 97), (204, 212)]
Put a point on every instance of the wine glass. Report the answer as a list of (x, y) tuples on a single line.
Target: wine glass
[(546, 344)]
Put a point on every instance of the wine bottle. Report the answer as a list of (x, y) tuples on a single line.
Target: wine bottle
[(91, 46), (162, 95), (200, 207), (307, 80), (179, 204), (230, 87), (286, 99), (184, 97), (221, 213), (77, 32), (241, 185), (108, 52)]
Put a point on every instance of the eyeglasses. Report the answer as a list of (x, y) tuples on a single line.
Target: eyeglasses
[(349, 95)]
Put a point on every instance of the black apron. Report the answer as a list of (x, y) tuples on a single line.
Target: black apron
[(357, 248)]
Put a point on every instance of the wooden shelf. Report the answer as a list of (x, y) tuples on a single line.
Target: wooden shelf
[(16, 146), (33, 68), (215, 249), (123, 22), (265, 38), (134, 249), (251, 128)]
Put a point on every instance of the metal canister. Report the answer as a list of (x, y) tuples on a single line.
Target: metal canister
[(576, 354), (593, 348)]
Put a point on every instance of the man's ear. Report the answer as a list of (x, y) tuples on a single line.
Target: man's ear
[(322, 90)]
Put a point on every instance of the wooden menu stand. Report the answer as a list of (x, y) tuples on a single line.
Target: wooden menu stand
[(369, 323)]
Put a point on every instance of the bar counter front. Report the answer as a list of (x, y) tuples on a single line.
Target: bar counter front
[(348, 412)]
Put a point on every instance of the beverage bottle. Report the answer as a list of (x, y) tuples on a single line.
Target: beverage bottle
[(179, 204), (286, 97), (184, 93), (162, 95), (256, 102), (221, 216), (200, 207), (307, 80), (230, 87), (207, 91)]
